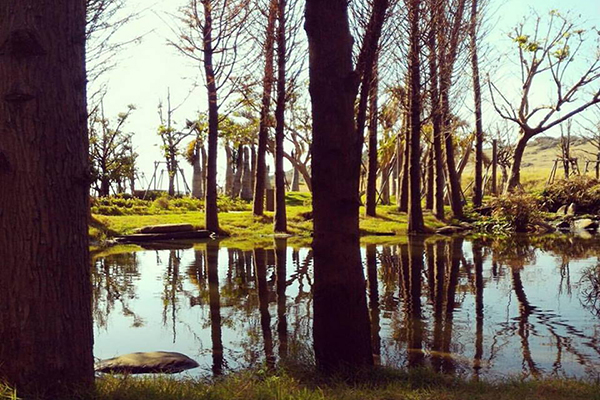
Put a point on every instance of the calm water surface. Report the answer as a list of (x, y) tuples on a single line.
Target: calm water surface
[(524, 306)]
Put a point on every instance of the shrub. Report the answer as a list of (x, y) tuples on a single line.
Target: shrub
[(581, 190), (161, 203), (515, 211)]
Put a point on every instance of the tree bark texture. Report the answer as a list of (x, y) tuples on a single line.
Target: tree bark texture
[(263, 130), (415, 212), (371, 201), (45, 292), (280, 211), (228, 170), (341, 320), (478, 184), (239, 167), (211, 212)]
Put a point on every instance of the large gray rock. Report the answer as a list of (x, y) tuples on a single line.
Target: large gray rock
[(585, 224), (572, 210), (147, 363)]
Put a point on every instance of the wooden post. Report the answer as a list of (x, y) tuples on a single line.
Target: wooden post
[(494, 167)]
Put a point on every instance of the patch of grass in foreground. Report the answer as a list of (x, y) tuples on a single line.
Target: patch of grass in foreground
[(395, 385)]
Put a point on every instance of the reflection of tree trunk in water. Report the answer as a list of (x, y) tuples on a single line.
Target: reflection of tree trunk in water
[(478, 261), (430, 270), (260, 266), (439, 256), (374, 302), (455, 255), (280, 265), (171, 291), (525, 310), (249, 269), (415, 323), (212, 261)]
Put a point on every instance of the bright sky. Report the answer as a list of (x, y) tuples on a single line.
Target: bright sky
[(147, 69)]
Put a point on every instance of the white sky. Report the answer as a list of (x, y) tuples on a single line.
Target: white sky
[(147, 69)]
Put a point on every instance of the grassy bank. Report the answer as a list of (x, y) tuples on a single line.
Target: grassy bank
[(242, 225), (379, 385)]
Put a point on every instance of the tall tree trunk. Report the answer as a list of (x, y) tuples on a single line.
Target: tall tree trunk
[(415, 212), (280, 211), (252, 161), (478, 185), (371, 203), (246, 193), (384, 188), (263, 130), (45, 292), (172, 172), (403, 196), (436, 118), (228, 170), (211, 212), (341, 320), (239, 167)]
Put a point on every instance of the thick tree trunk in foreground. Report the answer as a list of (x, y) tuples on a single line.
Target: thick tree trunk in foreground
[(45, 290), (341, 321), (263, 131), (280, 211), (211, 212)]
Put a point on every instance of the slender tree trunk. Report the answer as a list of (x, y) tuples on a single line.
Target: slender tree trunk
[(478, 185), (45, 292), (341, 319), (252, 161), (263, 131), (495, 167), (436, 117), (371, 203), (415, 212), (211, 212), (384, 188), (403, 197), (104, 187), (172, 172), (246, 193), (280, 211), (239, 167)]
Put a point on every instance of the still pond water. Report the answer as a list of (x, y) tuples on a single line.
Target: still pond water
[(521, 306)]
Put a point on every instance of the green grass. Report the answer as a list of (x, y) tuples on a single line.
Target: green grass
[(378, 385), (242, 226)]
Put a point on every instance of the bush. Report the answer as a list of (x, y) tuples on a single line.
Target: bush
[(581, 190), (515, 212)]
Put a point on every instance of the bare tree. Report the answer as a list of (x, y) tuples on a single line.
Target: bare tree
[(546, 51), (211, 34)]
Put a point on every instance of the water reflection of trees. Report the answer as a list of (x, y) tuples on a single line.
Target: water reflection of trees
[(114, 280), (415, 292)]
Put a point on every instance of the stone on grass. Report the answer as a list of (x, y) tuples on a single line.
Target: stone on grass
[(147, 363)]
